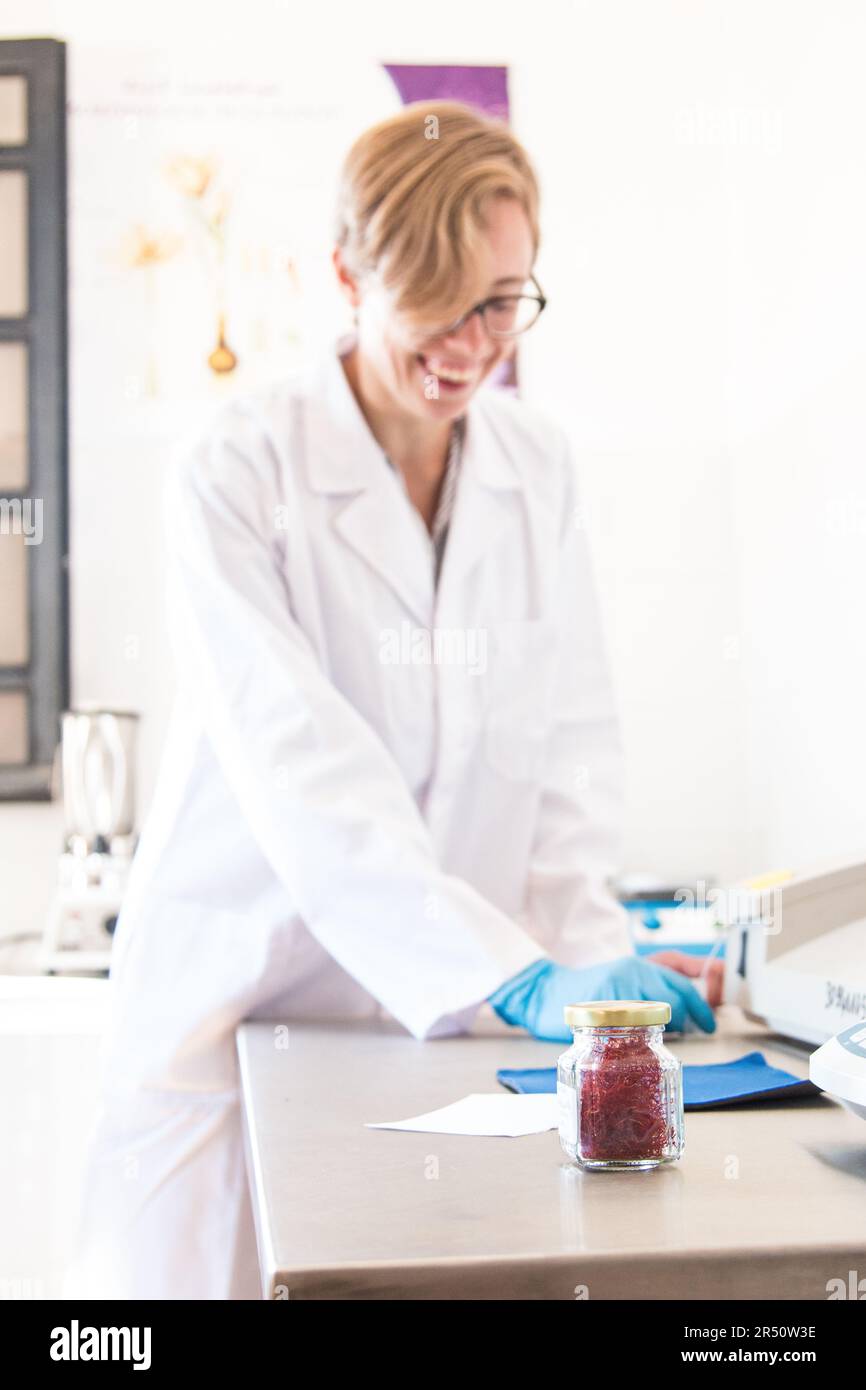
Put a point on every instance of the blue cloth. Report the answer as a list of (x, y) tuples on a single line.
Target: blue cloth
[(704, 1087)]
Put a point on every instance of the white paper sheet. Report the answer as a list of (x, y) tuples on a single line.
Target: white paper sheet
[(489, 1113)]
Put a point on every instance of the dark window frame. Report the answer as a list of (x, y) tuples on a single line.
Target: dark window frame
[(44, 329)]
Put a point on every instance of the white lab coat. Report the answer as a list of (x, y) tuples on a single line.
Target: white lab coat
[(349, 817)]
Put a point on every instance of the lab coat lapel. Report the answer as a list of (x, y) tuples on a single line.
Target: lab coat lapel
[(380, 527), (377, 519), (487, 504)]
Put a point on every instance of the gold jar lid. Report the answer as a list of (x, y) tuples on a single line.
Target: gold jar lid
[(617, 1013)]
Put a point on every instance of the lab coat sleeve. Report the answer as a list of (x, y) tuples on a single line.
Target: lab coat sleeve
[(576, 845), (320, 791)]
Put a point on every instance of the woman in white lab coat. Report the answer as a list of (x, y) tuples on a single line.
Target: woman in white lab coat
[(392, 777)]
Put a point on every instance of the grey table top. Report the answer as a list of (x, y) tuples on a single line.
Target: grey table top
[(768, 1201)]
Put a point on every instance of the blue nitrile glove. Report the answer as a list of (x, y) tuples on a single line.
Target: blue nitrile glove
[(535, 999)]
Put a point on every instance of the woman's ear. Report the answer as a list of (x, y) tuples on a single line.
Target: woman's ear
[(346, 280)]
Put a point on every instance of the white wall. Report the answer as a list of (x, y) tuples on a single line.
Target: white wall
[(635, 362), (703, 255), (797, 426)]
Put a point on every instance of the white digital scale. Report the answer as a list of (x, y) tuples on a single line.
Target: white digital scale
[(795, 956), (795, 960)]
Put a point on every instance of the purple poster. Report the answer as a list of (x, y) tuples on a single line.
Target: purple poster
[(484, 87)]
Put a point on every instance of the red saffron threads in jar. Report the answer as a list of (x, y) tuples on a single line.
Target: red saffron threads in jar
[(623, 1105)]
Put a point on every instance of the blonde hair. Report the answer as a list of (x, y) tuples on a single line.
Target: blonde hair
[(412, 198)]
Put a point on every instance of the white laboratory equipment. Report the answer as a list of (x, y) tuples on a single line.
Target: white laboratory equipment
[(795, 957), (97, 759), (839, 1067)]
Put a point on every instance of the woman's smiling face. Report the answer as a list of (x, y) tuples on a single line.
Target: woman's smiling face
[(432, 373)]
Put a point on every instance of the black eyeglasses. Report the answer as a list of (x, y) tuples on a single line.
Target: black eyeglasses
[(505, 315)]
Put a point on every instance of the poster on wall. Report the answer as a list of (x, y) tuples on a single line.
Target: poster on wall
[(202, 219)]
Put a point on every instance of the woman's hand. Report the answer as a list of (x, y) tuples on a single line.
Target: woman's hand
[(693, 967), (535, 999)]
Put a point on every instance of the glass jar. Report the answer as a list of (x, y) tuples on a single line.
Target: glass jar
[(620, 1089)]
